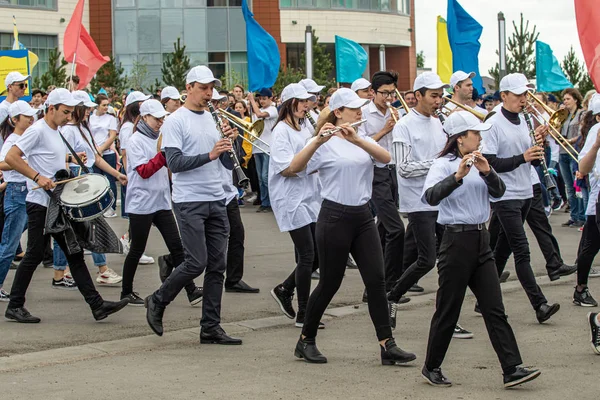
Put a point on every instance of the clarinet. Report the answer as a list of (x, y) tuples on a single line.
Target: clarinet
[(238, 173), (548, 181), (441, 116), (311, 120)]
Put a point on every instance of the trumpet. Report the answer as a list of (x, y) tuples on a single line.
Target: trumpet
[(238, 173), (548, 181), (254, 130), (333, 131)]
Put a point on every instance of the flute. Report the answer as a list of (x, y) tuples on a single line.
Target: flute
[(330, 132), (471, 161)]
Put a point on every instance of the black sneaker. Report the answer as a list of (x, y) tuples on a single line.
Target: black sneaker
[(584, 298), (594, 330), (195, 297), (416, 289), (461, 333), (520, 376), (64, 284), (284, 299), (568, 223), (435, 377), (20, 315), (577, 224), (134, 299), (557, 204), (4, 295)]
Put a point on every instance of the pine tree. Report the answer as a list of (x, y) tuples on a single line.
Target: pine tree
[(176, 66), (110, 75), (585, 82), (56, 74), (154, 87), (322, 64), (421, 59), (138, 75), (572, 67)]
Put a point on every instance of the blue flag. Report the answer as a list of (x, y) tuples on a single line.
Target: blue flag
[(464, 33), (263, 54), (548, 73), (350, 60)]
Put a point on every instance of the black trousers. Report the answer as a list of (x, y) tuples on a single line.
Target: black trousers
[(235, 247), (540, 226), (466, 260), (307, 261), (420, 248), (589, 246), (37, 242), (511, 215), (140, 225), (342, 230), (385, 201)]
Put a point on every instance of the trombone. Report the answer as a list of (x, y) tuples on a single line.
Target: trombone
[(482, 117), (254, 130), (557, 118), (402, 101)]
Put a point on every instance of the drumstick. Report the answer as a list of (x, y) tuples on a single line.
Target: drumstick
[(65, 181)]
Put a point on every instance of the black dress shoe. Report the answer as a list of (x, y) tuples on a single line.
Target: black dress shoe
[(241, 287), (416, 289), (20, 315), (563, 270), (218, 336), (391, 354), (435, 377), (307, 350), (544, 312), (109, 307), (521, 375), (154, 315)]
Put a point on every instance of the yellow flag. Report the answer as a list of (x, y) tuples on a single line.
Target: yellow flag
[(33, 58), (444, 53)]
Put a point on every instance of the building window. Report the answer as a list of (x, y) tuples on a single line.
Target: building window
[(387, 6), (47, 4), (224, 3), (40, 45)]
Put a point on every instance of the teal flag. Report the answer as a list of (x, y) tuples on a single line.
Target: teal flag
[(548, 73), (350, 59)]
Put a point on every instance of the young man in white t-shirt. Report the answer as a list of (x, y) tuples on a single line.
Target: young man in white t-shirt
[(267, 112), (46, 154), (15, 84), (194, 148)]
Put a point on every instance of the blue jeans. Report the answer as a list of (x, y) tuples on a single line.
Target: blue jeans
[(111, 159), (567, 169), (59, 258), (15, 222), (262, 169)]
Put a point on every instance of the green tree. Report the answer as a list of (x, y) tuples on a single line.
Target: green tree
[(585, 83), (154, 87), (323, 71), (286, 76), (110, 75), (421, 59), (56, 74), (138, 76), (573, 68), (233, 78), (175, 66)]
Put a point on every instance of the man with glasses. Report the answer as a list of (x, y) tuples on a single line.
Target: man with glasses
[(15, 84)]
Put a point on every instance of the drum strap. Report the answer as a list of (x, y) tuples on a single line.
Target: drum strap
[(74, 154), (93, 144)]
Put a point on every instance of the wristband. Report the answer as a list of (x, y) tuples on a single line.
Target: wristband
[(35, 178)]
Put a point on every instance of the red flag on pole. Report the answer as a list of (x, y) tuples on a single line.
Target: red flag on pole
[(587, 14), (80, 49)]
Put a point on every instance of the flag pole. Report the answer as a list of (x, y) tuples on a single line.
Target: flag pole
[(76, 46)]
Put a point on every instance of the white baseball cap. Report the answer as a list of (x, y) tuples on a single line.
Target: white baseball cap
[(136, 96), (217, 96), (62, 96), (296, 91), (429, 80), (21, 107), (515, 83), (84, 98), (359, 84), (170, 92), (345, 97), (594, 105), (201, 74), (154, 108), (311, 86), (13, 77), (460, 121), (460, 76)]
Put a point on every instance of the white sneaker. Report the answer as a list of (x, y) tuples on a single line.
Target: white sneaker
[(125, 243), (4, 295), (87, 253), (144, 259), (108, 277), (594, 273), (110, 213)]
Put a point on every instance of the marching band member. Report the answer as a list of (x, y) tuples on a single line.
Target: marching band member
[(46, 154), (345, 224), (507, 147), (294, 198), (363, 89), (170, 99), (313, 112), (194, 147), (460, 182)]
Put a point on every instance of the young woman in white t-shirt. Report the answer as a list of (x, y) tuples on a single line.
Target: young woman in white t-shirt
[(345, 224), (294, 198)]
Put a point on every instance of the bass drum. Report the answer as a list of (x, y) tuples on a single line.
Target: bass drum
[(87, 198)]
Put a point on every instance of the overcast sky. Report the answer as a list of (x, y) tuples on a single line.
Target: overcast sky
[(555, 20)]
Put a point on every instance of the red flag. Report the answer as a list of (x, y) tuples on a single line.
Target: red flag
[(79, 44), (587, 14)]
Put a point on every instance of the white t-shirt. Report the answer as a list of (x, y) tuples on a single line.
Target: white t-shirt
[(145, 196), (375, 122), (467, 204), (4, 106), (345, 171), (295, 200), (124, 134), (79, 144), (267, 133), (594, 176), (11, 176), (193, 133), (46, 153), (425, 138), (535, 178), (506, 140), (100, 126)]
